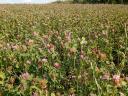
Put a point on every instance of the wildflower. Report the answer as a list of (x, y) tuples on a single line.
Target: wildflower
[(12, 80), (50, 47), (73, 50), (92, 94), (59, 38), (22, 86), (82, 54), (72, 95), (35, 34), (28, 62), (68, 36), (44, 60), (45, 37), (40, 62), (53, 94), (104, 33), (126, 78), (8, 45), (97, 69), (18, 37), (116, 79), (30, 42), (34, 94), (72, 92), (57, 65), (34, 80), (56, 34), (99, 54), (62, 44), (122, 94), (1, 45), (25, 76), (95, 51), (83, 41), (102, 56), (43, 83), (106, 76), (113, 30), (15, 47)]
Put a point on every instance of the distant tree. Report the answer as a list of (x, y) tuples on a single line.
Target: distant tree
[(100, 1), (85, 1), (76, 1)]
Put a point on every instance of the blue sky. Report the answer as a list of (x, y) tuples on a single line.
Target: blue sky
[(26, 1)]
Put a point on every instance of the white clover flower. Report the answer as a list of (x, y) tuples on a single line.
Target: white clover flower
[(83, 41)]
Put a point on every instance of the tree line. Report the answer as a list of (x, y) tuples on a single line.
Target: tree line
[(102, 1), (94, 1)]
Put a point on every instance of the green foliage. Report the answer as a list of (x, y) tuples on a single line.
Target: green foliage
[(63, 50), (102, 1)]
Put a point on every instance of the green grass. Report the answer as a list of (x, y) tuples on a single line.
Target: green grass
[(63, 50)]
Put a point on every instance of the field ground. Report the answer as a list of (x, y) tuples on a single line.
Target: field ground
[(64, 50)]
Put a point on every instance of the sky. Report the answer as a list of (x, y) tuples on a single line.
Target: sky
[(26, 1)]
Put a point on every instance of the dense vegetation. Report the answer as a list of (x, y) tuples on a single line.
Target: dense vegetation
[(94, 1), (63, 50), (102, 1)]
